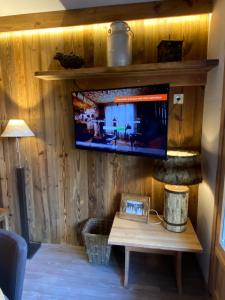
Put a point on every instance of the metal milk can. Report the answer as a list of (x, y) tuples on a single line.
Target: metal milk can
[(119, 44)]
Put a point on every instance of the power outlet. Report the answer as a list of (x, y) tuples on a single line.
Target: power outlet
[(178, 98)]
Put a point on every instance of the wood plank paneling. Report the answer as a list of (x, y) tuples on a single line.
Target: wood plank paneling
[(219, 283), (94, 15), (65, 185)]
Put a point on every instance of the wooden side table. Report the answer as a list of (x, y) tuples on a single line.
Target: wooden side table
[(151, 238), (4, 217), (176, 254)]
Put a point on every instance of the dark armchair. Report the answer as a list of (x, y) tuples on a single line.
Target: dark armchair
[(13, 255)]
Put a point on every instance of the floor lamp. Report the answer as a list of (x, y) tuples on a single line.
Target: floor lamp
[(17, 129)]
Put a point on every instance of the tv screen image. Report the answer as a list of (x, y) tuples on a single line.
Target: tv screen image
[(124, 120)]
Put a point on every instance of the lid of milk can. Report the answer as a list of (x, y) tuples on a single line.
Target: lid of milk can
[(119, 26)]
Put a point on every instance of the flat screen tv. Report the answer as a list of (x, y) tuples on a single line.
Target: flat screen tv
[(124, 120)]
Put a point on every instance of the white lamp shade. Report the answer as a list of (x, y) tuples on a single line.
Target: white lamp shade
[(17, 128)]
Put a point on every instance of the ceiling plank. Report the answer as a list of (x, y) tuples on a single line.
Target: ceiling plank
[(164, 8)]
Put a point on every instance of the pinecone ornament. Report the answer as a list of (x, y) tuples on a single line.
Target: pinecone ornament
[(69, 61)]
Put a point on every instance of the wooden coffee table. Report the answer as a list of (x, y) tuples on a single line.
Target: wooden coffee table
[(152, 238)]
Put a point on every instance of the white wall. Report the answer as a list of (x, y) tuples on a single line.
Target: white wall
[(210, 133)]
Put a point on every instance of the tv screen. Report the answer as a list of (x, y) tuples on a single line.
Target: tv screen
[(124, 120)]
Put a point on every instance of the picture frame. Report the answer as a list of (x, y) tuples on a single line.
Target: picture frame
[(134, 207)]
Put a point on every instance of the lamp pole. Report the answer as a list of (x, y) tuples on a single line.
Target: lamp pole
[(17, 129), (18, 152)]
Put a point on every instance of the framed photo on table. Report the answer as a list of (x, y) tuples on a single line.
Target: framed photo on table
[(134, 207)]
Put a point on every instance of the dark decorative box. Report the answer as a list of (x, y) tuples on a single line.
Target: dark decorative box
[(170, 50)]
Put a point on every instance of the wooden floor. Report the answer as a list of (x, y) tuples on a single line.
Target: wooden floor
[(60, 272)]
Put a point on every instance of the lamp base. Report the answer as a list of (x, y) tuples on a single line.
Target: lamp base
[(32, 249), (175, 208)]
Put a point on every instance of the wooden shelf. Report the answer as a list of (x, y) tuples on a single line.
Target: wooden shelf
[(185, 73)]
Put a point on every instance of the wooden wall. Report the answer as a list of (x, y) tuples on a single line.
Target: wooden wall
[(66, 186), (219, 276)]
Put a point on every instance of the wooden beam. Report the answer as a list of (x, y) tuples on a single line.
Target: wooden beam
[(154, 9), (185, 73), (155, 69)]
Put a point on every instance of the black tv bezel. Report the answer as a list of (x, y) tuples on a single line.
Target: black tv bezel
[(165, 85)]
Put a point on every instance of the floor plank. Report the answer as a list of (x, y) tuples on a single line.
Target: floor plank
[(62, 272)]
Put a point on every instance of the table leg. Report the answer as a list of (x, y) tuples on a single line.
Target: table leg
[(179, 271), (127, 264)]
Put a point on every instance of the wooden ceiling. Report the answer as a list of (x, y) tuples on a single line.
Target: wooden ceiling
[(64, 18), (15, 7)]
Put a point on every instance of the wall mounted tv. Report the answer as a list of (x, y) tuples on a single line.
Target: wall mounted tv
[(125, 120)]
